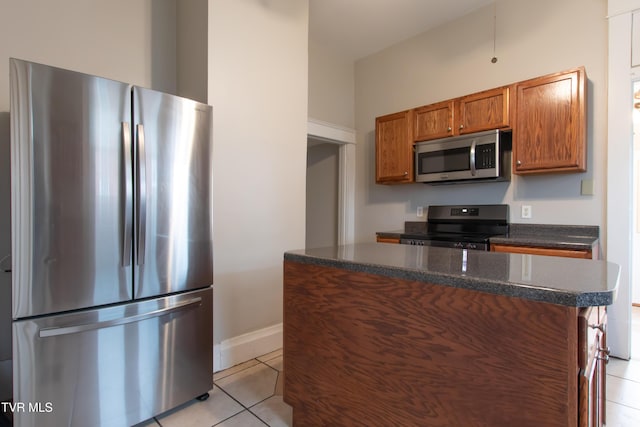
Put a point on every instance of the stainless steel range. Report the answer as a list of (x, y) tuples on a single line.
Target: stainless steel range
[(461, 226)]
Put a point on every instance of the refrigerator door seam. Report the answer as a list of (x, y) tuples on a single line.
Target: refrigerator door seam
[(66, 330)]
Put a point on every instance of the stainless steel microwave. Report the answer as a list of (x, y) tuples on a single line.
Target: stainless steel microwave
[(482, 156)]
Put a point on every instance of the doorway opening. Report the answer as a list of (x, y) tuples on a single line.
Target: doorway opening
[(330, 184), (322, 194)]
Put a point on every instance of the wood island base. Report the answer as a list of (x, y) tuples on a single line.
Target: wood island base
[(368, 350)]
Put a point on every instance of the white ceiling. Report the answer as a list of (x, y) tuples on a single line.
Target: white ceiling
[(357, 28)]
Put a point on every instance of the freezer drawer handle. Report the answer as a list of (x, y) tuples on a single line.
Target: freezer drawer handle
[(128, 205), (66, 330)]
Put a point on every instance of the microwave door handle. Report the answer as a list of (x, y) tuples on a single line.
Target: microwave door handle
[(472, 158)]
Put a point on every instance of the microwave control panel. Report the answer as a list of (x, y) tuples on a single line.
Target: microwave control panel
[(486, 156)]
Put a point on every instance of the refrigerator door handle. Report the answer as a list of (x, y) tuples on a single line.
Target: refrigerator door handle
[(128, 205), (74, 329), (142, 195)]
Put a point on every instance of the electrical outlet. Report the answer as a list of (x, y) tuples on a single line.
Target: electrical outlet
[(526, 211), (419, 211)]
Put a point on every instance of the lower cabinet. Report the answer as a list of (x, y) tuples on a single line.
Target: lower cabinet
[(382, 239), (592, 359), (569, 253)]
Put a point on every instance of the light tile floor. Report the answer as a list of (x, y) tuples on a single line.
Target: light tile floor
[(250, 394), (246, 395), (623, 383)]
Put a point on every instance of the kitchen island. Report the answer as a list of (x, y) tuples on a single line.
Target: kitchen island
[(378, 334)]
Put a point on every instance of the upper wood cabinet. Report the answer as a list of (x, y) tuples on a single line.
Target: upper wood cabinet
[(394, 148), (547, 116), (483, 111), (550, 124), (480, 111), (434, 121)]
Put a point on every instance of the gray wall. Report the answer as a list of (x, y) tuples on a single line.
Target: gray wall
[(533, 39), (192, 51), (322, 195)]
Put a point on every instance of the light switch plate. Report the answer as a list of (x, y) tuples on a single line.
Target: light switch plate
[(586, 187), (419, 211)]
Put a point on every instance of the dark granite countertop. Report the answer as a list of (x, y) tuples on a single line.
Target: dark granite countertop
[(555, 280), (578, 237), (551, 236)]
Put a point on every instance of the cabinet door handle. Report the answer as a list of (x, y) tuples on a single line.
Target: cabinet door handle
[(461, 126), (449, 129), (518, 163)]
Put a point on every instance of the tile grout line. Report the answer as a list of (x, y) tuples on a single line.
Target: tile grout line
[(241, 370), (232, 398), (622, 404), (266, 398), (248, 408), (244, 408), (256, 359), (623, 378)]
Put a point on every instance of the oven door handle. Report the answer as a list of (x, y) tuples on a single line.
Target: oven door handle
[(472, 158)]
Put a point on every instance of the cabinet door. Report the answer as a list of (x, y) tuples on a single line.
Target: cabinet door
[(380, 239), (434, 121), (592, 359), (603, 360), (394, 148), (550, 128), (567, 253), (483, 111)]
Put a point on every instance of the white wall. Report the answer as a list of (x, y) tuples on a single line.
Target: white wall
[(533, 38), (620, 157), (331, 86), (122, 40), (258, 88)]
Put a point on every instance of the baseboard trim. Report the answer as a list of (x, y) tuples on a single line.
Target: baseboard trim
[(247, 346)]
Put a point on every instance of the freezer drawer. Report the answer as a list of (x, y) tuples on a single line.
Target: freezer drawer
[(115, 366)]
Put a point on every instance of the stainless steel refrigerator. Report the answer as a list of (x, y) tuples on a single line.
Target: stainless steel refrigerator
[(111, 249)]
